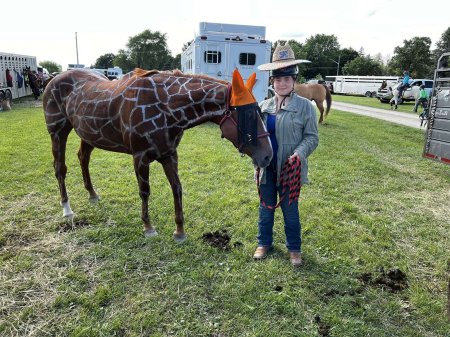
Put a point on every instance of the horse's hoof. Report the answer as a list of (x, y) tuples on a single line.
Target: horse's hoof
[(149, 233), (179, 238), (68, 213), (94, 200), (69, 217)]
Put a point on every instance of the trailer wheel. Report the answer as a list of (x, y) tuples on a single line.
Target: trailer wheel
[(368, 94), (2, 97), (9, 97), (5, 100)]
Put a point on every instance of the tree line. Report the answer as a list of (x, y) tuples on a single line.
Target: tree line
[(148, 50)]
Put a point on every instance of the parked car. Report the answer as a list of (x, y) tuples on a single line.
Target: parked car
[(385, 95)]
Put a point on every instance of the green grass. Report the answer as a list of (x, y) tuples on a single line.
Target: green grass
[(373, 203), (375, 103)]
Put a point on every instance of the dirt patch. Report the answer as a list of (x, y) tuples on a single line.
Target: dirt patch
[(15, 239), (220, 239), (69, 226), (394, 280), (323, 329)]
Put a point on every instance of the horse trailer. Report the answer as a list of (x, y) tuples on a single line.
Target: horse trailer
[(437, 135), (220, 48), (359, 85), (13, 83)]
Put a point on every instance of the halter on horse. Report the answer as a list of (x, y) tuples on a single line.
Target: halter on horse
[(145, 114)]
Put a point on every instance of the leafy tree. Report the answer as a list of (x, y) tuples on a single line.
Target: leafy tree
[(363, 66), (322, 50), (414, 56), (346, 55), (148, 50), (124, 61), (176, 62), (51, 66), (105, 61), (442, 46)]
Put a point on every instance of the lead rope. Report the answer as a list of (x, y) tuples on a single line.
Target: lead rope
[(290, 178)]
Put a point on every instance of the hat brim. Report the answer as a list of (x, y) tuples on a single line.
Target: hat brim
[(280, 64)]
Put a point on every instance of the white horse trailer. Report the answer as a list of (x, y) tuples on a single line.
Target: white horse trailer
[(220, 48), (359, 85), (12, 79)]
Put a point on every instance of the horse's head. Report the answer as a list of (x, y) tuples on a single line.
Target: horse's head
[(242, 123)]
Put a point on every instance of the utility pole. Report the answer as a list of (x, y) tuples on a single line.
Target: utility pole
[(337, 62), (76, 46)]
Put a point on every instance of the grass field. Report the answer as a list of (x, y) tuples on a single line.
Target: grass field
[(375, 103), (376, 238)]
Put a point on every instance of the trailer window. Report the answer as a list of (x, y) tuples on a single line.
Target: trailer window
[(212, 56), (247, 59)]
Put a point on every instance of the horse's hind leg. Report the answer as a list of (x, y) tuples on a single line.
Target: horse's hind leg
[(59, 140), (170, 166), (321, 109), (84, 155), (141, 168)]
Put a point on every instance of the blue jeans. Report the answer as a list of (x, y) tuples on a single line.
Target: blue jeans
[(292, 226)]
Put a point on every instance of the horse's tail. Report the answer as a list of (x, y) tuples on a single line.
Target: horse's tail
[(328, 99)]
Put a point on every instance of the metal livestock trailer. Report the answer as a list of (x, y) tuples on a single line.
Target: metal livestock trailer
[(437, 135), (13, 83)]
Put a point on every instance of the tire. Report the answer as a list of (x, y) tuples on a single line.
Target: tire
[(368, 94), (2, 97), (9, 97)]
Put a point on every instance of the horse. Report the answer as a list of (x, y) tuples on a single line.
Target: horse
[(395, 100), (144, 114), (317, 93), (33, 81), (47, 81)]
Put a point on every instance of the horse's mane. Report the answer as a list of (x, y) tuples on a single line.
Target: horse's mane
[(138, 72)]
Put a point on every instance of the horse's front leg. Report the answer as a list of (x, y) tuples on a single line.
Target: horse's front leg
[(141, 168), (170, 165)]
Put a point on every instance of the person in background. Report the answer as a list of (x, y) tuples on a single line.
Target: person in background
[(292, 123), (404, 85), (422, 98)]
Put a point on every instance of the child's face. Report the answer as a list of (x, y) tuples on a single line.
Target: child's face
[(283, 85)]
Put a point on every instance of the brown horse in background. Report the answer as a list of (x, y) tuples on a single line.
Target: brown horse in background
[(317, 93)]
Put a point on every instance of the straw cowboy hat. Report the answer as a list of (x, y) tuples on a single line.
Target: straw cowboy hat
[(283, 57)]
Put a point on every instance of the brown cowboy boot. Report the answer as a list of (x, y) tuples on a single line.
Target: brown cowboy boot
[(261, 253), (296, 258)]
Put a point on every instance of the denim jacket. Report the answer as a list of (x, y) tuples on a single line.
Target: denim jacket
[(295, 130)]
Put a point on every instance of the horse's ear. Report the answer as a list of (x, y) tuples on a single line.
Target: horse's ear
[(240, 94), (251, 82)]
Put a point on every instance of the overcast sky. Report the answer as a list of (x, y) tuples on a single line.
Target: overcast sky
[(46, 29)]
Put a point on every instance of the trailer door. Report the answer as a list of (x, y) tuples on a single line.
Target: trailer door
[(246, 57), (437, 136), (213, 59)]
